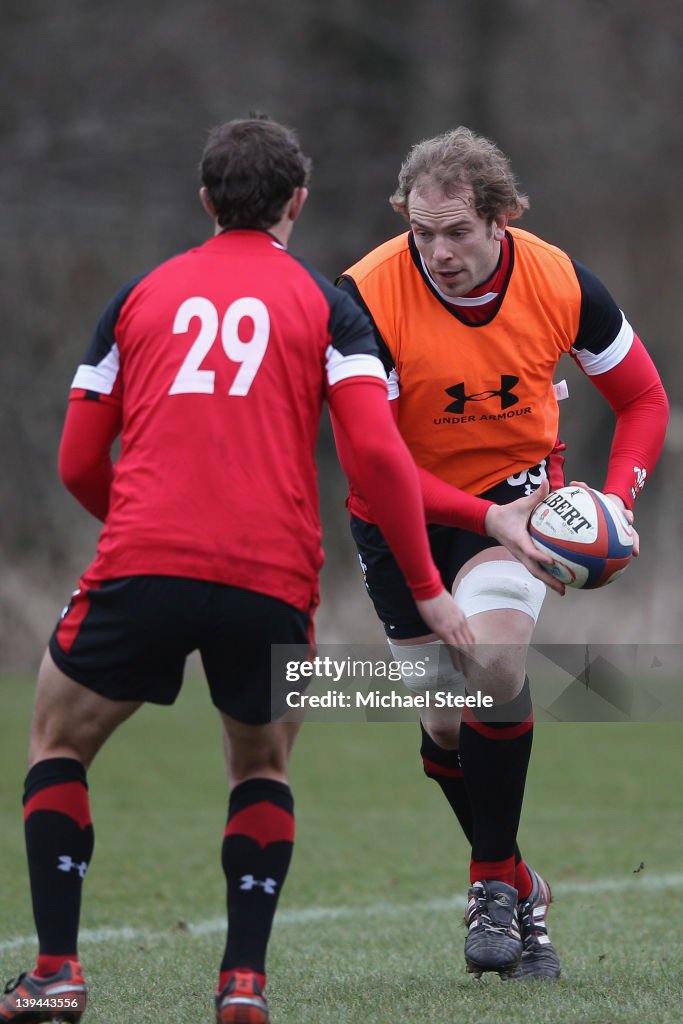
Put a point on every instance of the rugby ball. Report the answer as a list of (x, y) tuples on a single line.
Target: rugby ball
[(587, 535)]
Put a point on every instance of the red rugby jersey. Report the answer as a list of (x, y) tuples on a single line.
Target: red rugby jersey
[(220, 359)]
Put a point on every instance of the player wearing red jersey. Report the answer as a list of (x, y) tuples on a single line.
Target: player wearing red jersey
[(212, 368), (472, 317)]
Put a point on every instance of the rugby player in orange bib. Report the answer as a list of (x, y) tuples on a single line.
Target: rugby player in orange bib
[(472, 317)]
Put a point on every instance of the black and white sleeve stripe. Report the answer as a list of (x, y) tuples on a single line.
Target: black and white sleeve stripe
[(99, 369), (605, 335), (348, 285), (353, 350)]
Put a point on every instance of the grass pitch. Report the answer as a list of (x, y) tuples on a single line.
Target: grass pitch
[(370, 924)]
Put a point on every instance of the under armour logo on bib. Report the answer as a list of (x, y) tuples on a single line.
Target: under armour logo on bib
[(507, 395)]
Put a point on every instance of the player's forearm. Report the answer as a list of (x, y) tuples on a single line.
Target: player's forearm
[(85, 463), (635, 392), (450, 506), (636, 447), (89, 483)]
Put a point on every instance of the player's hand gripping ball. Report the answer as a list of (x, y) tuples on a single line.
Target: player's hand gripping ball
[(588, 537)]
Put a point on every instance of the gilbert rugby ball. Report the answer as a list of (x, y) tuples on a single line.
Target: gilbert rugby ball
[(587, 536)]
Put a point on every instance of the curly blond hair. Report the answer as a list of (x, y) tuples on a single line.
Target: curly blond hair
[(461, 158)]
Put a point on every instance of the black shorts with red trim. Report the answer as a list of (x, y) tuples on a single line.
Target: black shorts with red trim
[(451, 549), (129, 638)]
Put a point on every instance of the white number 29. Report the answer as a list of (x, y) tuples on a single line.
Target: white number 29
[(190, 379)]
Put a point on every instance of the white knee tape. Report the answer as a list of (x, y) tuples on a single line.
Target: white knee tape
[(427, 667), (492, 586)]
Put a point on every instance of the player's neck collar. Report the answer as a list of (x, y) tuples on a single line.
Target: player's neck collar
[(485, 292), (245, 232)]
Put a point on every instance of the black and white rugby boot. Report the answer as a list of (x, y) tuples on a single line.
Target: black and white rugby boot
[(539, 959), (493, 940)]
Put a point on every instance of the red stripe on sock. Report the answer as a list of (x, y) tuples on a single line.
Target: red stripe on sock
[(48, 965), (522, 880), (508, 732), (432, 768), (225, 976), (263, 822), (69, 798), (493, 871)]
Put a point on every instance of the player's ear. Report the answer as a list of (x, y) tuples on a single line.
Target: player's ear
[(207, 202), (499, 225), (296, 203)]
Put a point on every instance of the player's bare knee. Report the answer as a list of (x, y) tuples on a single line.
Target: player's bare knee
[(497, 671), (502, 600), (273, 765), (257, 751), (75, 738), (445, 734)]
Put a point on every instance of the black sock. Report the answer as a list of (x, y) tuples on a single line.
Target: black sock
[(495, 757), (59, 845), (257, 849), (444, 767)]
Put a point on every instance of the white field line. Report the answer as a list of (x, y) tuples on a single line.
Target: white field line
[(307, 915)]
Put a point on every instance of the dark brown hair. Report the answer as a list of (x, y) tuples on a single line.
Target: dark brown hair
[(251, 167)]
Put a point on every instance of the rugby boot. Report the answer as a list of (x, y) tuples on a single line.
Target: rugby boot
[(242, 1001), (61, 997), (539, 959), (493, 940)]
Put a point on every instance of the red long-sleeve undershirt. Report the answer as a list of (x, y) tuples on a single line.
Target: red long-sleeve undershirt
[(85, 462), (635, 392)]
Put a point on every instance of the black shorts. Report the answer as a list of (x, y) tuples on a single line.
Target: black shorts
[(451, 549), (128, 639)]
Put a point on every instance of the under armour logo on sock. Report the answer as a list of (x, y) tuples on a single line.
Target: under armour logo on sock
[(269, 885), (67, 864), (506, 394)]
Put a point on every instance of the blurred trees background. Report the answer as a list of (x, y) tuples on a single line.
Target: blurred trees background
[(104, 113)]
